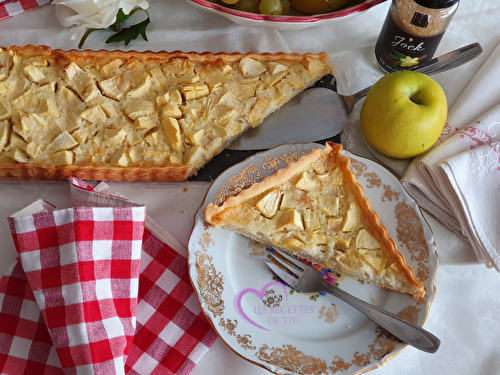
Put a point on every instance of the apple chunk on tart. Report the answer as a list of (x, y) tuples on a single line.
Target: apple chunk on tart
[(150, 116), (315, 209)]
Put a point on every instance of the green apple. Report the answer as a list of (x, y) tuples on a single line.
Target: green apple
[(404, 114)]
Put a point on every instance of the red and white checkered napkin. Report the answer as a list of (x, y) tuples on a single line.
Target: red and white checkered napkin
[(93, 291), (82, 264), (9, 8)]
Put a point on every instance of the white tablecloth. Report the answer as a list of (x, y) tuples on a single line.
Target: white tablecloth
[(465, 312)]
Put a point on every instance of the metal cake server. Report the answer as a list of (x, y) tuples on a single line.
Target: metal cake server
[(321, 113)]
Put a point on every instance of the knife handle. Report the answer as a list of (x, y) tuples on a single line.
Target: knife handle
[(328, 81), (437, 65), (450, 60)]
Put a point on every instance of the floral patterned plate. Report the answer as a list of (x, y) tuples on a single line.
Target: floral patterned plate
[(288, 332)]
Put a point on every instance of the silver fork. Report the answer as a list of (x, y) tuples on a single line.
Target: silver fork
[(308, 280)]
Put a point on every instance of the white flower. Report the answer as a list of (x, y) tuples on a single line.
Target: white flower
[(95, 14)]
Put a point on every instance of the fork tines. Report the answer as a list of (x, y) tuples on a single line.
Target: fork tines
[(288, 269), (283, 275), (290, 263)]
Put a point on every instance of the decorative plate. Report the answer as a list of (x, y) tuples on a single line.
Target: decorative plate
[(289, 332), (288, 22)]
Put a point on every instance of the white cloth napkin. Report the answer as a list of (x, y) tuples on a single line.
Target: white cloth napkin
[(458, 180)]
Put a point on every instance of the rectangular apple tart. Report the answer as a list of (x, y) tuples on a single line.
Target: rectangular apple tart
[(315, 209), (135, 116)]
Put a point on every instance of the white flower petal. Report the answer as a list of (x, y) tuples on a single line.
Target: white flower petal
[(128, 5), (66, 15), (98, 14), (78, 32)]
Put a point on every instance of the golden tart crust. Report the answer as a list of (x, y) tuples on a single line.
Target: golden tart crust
[(315, 209), (148, 116)]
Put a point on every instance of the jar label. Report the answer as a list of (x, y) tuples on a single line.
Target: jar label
[(420, 20), (398, 50)]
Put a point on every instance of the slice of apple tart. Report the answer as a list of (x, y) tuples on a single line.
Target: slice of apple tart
[(315, 209), (150, 116)]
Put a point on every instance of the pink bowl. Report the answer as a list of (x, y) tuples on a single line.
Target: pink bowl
[(287, 22)]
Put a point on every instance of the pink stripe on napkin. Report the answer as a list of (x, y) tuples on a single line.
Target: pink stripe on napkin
[(25, 343), (10, 8)]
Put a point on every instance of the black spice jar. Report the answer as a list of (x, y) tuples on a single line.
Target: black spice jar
[(412, 31)]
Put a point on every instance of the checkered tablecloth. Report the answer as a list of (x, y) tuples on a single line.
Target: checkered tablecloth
[(9, 8), (94, 290)]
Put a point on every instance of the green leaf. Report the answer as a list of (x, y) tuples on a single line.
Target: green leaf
[(395, 57), (401, 55), (125, 35), (130, 33), (120, 17), (84, 37)]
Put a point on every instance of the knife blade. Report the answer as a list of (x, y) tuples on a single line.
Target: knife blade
[(303, 118)]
